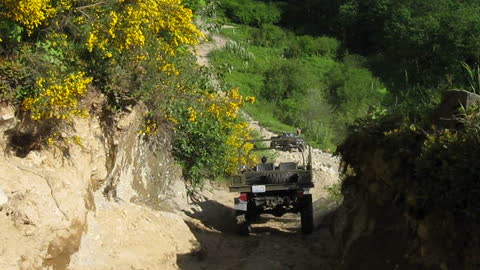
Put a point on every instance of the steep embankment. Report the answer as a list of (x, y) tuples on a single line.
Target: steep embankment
[(56, 214), (411, 197)]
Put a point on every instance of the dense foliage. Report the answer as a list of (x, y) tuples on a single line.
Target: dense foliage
[(53, 53), (408, 42)]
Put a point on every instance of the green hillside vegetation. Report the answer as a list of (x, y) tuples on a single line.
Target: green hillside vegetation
[(409, 44), (303, 81)]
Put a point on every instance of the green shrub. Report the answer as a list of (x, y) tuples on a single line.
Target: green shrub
[(195, 5), (312, 46), (269, 35), (250, 12), (284, 80), (334, 193), (327, 46), (353, 90), (436, 169), (11, 34), (16, 80)]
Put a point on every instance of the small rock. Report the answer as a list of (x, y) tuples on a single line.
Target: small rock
[(3, 197), (276, 246), (29, 233), (7, 113), (7, 116)]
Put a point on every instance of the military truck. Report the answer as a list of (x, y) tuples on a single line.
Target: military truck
[(277, 189)]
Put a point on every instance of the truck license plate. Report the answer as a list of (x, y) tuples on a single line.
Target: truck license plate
[(258, 189)]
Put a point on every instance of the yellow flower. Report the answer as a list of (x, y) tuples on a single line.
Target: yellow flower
[(58, 99), (32, 13), (192, 115)]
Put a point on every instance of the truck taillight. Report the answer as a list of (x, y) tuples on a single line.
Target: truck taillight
[(243, 196)]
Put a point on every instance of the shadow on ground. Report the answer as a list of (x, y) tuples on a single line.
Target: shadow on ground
[(275, 242), (214, 215)]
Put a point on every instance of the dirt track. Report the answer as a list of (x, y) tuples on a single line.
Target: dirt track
[(275, 243)]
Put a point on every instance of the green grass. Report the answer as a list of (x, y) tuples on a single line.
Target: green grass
[(264, 113), (249, 84), (248, 77), (239, 33)]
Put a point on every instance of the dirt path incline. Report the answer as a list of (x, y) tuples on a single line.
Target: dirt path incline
[(275, 242)]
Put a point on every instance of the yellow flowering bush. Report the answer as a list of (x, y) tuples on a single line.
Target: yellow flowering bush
[(32, 13), (128, 26), (58, 99), (209, 133)]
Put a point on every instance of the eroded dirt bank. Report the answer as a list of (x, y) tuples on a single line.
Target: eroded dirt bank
[(104, 203)]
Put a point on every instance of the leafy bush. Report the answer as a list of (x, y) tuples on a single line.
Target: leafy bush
[(195, 5), (334, 192), (251, 12), (208, 133), (16, 80), (312, 46), (269, 35), (54, 53), (353, 90), (32, 13), (284, 80), (436, 170)]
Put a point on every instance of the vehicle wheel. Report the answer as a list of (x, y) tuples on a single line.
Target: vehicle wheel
[(243, 227), (306, 214), (252, 214), (301, 148)]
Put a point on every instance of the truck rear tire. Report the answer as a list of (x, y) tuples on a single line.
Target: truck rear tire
[(306, 214), (243, 226)]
